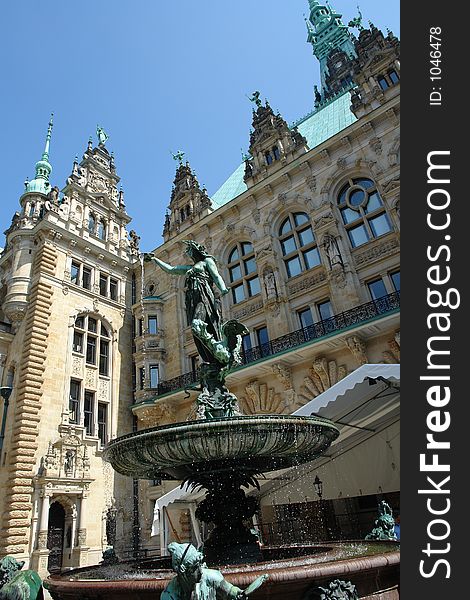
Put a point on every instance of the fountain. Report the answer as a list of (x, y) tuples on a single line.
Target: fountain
[(223, 451)]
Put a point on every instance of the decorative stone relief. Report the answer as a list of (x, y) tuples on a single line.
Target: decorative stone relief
[(321, 376), (311, 182), (378, 251), (284, 374), (307, 282), (90, 378), (248, 309), (392, 356), (357, 346), (258, 399), (103, 389), (77, 365)]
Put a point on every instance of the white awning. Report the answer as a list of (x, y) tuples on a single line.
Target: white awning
[(177, 494), (354, 390)]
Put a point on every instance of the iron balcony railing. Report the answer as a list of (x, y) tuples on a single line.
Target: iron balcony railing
[(354, 316)]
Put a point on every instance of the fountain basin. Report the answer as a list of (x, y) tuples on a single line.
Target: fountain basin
[(246, 444), (373, 567)]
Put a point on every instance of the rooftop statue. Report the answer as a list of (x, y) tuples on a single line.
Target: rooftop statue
[(102, 135), (357, 21), (196, 582), (255, 98), (178, 156), (218, 343)]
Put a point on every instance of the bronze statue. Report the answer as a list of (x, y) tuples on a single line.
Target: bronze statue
[(384, 525), (218, 343), (194, 580)]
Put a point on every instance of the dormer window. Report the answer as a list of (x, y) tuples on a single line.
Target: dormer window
[(101, 231), (269, 158), (277, 154), (388, 80)]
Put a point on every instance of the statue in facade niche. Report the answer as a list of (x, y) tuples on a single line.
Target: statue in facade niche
[(332, 250), (194, 581), (218, 343)]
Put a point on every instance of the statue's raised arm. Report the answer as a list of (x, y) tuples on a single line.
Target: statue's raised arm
[(176, 270)]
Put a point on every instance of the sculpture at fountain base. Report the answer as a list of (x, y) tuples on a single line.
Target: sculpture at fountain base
[(195, 581), (16, 584)]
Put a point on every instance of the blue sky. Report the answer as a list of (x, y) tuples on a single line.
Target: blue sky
[(157, 76)]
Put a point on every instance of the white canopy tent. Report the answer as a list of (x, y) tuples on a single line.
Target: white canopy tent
[(361, 404)]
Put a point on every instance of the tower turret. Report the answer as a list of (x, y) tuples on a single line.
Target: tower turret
[(328, 35), (40, 184)]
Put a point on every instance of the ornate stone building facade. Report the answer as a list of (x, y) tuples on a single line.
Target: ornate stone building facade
[(306, 232), (94, 343), (67, 327)]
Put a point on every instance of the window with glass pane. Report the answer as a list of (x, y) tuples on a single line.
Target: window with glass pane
[(324, 310), (91, 223), (91, 350), (77, 341), (86, 278), (194, 363), (246, 342), (80, 322), (103, 422), (153, 328), (298, 244), (75, 273), (395, 277), (104, 357), (377, 289), (142, 377), (253, 286), (383, 83), (88, 412), (393, 77), (104, 331), (242, 264), (101, 230), (305, 317), (74, 401), (263, 340), (92, 325), (113, 289), (103, 285), (153, 376), (362, 211)]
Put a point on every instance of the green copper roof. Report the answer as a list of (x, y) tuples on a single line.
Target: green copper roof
[(316, 128), (43, 168)]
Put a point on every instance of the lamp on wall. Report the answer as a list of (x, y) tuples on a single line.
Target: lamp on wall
[(318, 485), (5, 393)]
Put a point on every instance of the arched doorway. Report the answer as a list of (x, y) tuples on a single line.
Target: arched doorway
[(55, 536)]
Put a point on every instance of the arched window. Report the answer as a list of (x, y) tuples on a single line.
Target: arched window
[(92, 340), (298, 244), (269, 158), (243, 272), (91, 223), (362, 211), (101, 229), (277, 154)]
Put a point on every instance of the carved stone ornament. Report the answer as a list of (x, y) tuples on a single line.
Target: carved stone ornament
[(321, 376), (357, 346), (260, 399)]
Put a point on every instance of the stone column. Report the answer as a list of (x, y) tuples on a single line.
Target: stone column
[(43, 522), (40, 555), (82, 521)]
